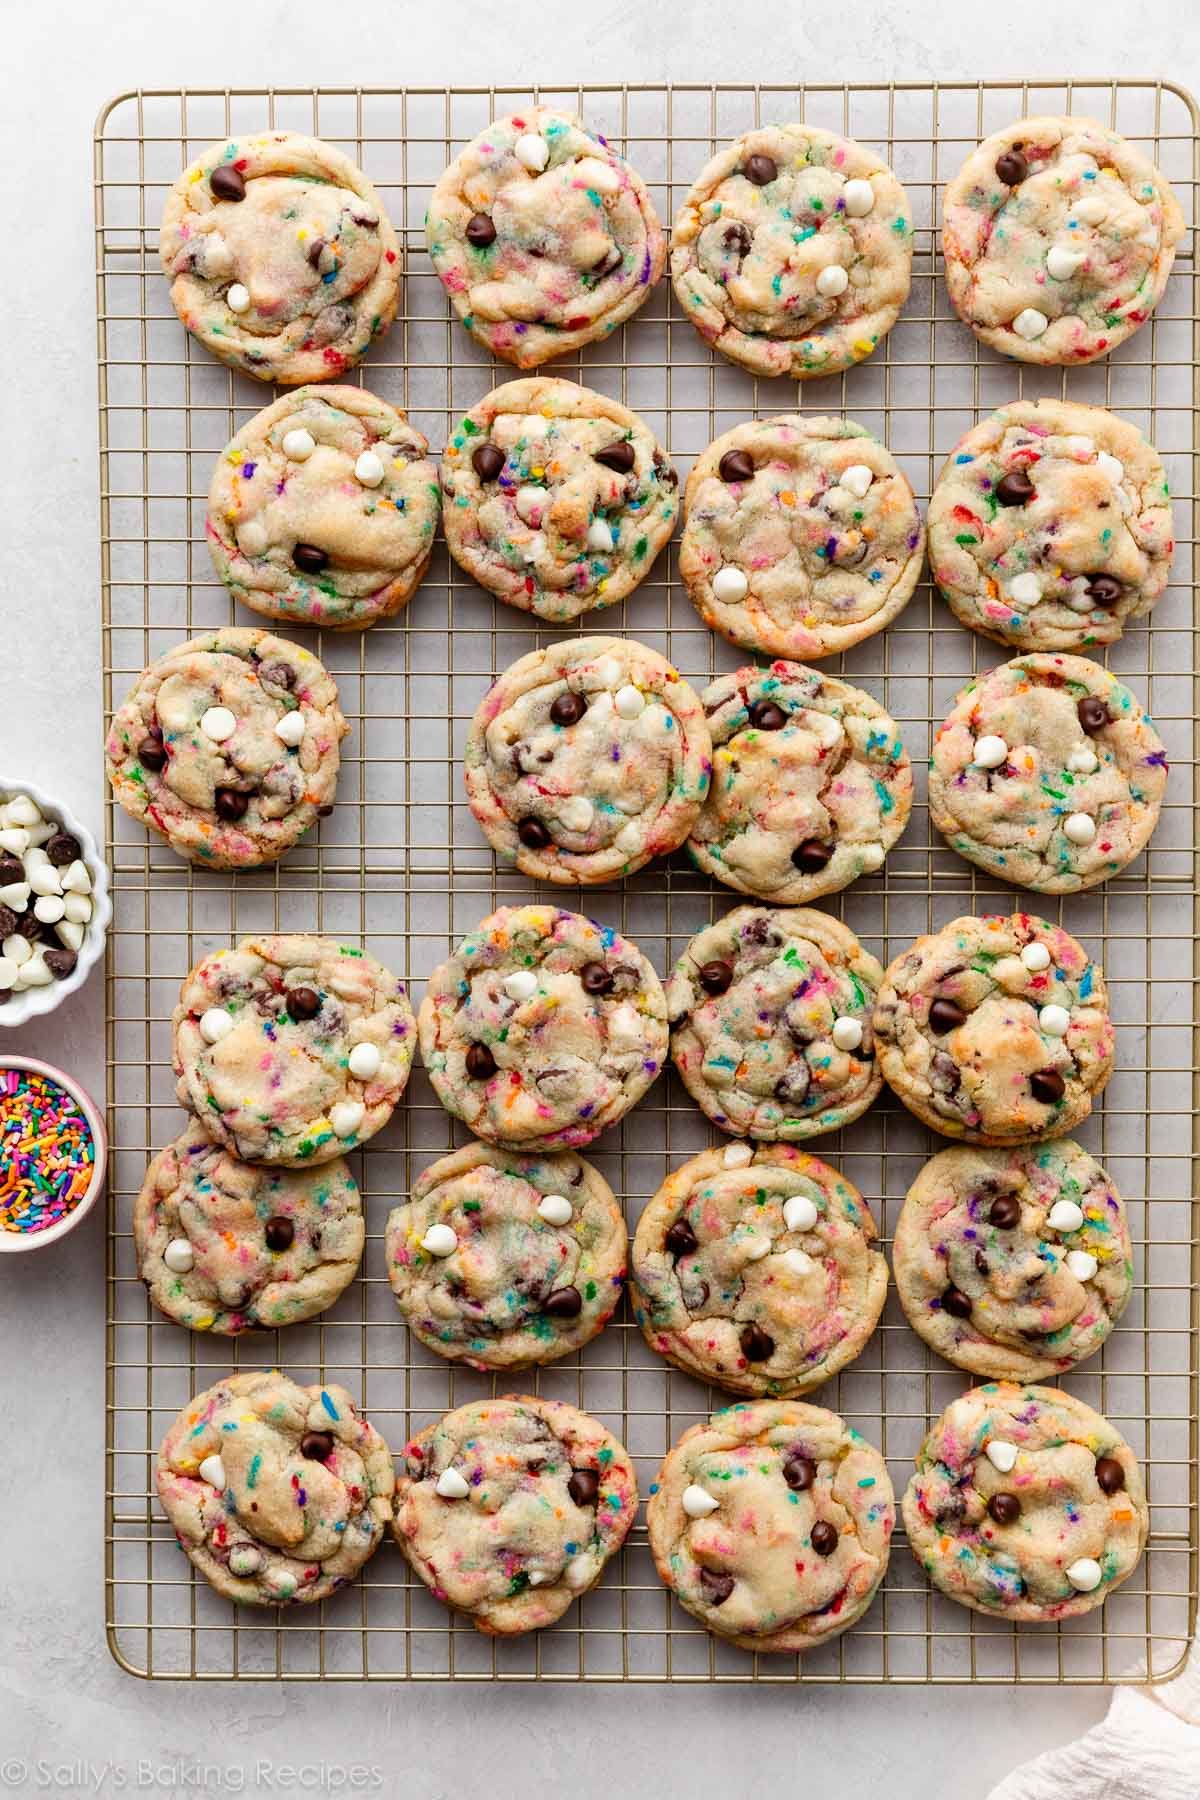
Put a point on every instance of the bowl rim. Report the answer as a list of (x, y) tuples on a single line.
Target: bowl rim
[(35, 1003), (14, 1242)]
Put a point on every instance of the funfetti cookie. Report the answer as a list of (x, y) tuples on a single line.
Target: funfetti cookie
[(772, 1524), (792, 253), (544, 238), (586, 759), (1048, 774), (228, 747), (811, 785), (1026, 1504), (995, 1030), (1059, 236), (801, 536), (281, 258), (555, 498), (1050, 526), (323, 509)]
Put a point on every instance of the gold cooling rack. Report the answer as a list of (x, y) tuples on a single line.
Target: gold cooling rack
[(401, 865)]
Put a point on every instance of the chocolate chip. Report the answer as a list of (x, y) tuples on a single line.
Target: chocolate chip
[(62, 849), (279, 1233), (563, 1303), (227, 183), (764, 715), (612, 259), (533, 834), (1110, 1476), (736, 465), (152, 752), (1005, 1212), (231, 804), (487, 461), (1004, 1508), (824, 1537), (945, 1015), (583, 1486), (618, 456), (664, 471), (1014, 489), (760, 169), (316, 251), (480, 231), (956, 1303), (9, 921), (680, 1240), (568, 709), (714, 977), (1047, 1085), (481, 1064), (60, 963), (11, 869), (303, 1002), (798, 1471), (757, 1346), (737, 238), (1105, 590), (982, 1264), (279, 674), (715, 1586), (1093, 714), (309, 558), (594, 978), (1011, 168), (811, 856), (317, 1446)]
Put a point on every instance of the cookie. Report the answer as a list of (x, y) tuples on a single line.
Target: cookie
[(1014, 1264), (792, 253), (291, 1049), (1048, 774), (225, 1247), (757, 1270), (542, 1029), (1050, 526), (587, 759), (544, 238), (801, 538), (280, 256), (323, 510), (509, 1509), (810, 789), (772, 1524), (995, 1030), (555, 498), (1026, 1504), (277, 1493), (771, 1023), (1058, 236), (500, 1260), (228, 747)]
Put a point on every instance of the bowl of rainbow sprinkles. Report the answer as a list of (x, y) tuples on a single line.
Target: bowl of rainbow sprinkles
[(53, 1152)]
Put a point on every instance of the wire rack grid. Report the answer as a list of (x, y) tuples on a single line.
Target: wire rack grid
[(401, 865)]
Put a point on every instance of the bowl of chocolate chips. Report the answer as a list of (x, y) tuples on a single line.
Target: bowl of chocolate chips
[(54, 904)]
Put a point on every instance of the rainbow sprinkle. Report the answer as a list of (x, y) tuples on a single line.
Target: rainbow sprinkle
[(46, 1152)]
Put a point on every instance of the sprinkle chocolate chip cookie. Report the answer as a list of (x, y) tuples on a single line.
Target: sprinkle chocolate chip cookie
[(555, 498), (501, 1260), (587, 759), (1059, 236), (792, 253), (277, 1493), (226, 1247), (802, 536), (810, 788), (756, 1269), (281, 258), (1050, 526), (323, 510), (545, 239), (771, 1023), (1014, 1264), (1026, 1504), (291, 1049), (1048, 774), (995, 1030), (509, 1509), (772, 1524), (228, 747)]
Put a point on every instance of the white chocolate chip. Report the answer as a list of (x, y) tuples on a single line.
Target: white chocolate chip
[(238, 298), (245, 1559), (15, 896), (22, 810), (364, 1062), (521, 984), (534, 548), (800, 1213), (871, 856), (536, 425), (532, 151), (70, 933), (598, 175), (1035, 956), (698, 1502), (76, 879), (1054, 1020), (529, 503), (757, 1247), (368, 469), (8, 974), (34, 973), (1091, 210), (847, 1033), (291, 728), (77, 908), (1079, 828), (630, 702), (179, 1256), (599, 536), (42, 878), (856, 479), (280, 1582), (538, 1577), (252, 536), (1083, 761), (1111, 466), (797, 1263), (1001, 1454), (212, 1470), (16, 839), (1080, 445), (1085, 1575), (859, 198), (1065, 1215), (49, 908), (1078, 598), (576, 813), (729, 584), (624, 1029), (451, 1485), (1025, 589), (579, 1572), (215, 1024), (298, 444), (556, 1209), (989, 752), (825, 728), (737, 1156), (832, 281), (218, 723), (1082, 1264), (1030, 324), (346, 1117), (440, 1240), (17, 949), (1062, 263)]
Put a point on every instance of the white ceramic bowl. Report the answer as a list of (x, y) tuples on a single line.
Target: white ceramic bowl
[(32, 1002), (13, 1242)]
